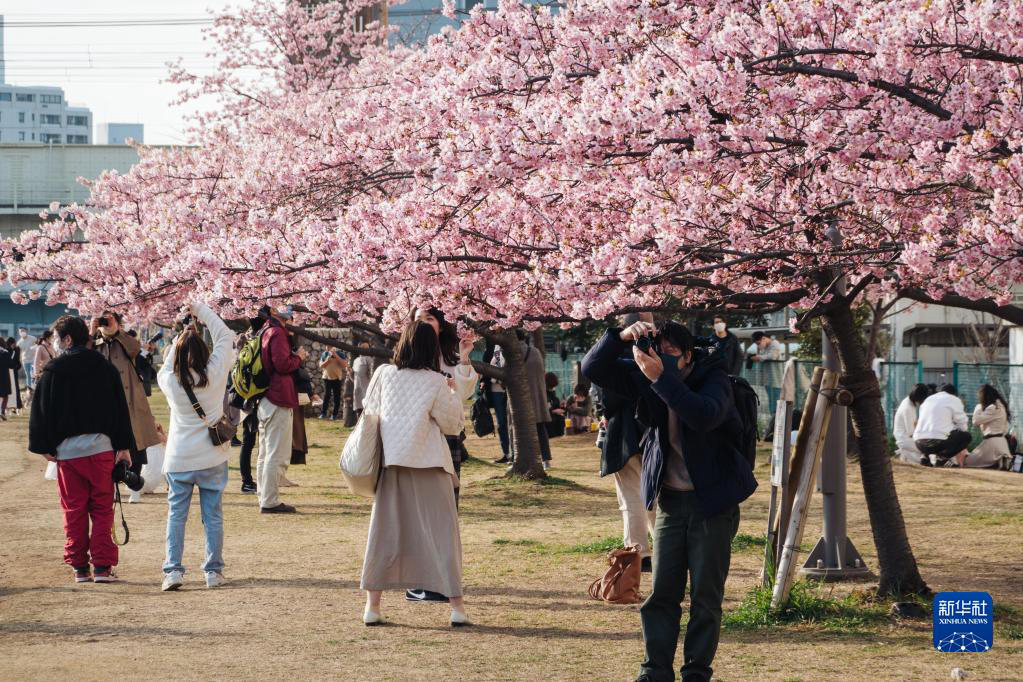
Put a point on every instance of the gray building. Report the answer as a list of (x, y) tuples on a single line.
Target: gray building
[(119, 133)]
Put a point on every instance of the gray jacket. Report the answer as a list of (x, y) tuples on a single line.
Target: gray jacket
[(535, 373)]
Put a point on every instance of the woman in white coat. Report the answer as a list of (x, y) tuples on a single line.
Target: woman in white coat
[(414, 540), (905, 424), (991, 416), (191, 459)]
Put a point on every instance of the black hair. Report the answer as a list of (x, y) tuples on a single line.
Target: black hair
[(417, 348), (758, 335), (950, 389), (75, 327), (919, 393), (448, 338), (988, 395), (678, 335), (551, 380)]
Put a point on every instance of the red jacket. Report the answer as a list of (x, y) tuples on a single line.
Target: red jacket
[(280, 362)]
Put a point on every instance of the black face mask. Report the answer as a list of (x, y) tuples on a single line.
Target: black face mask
[(670, 363)]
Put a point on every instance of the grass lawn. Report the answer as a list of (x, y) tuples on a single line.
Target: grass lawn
[(292, 607)]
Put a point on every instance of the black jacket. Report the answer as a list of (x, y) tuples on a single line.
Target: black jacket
[(710, 425), (79, 392), (730, 349)]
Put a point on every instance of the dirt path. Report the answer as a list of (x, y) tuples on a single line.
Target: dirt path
[(292, 607)]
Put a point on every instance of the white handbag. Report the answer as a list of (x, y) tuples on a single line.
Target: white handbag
[(363, 453)]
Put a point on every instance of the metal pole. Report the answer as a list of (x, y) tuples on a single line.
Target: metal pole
[(834, 557)]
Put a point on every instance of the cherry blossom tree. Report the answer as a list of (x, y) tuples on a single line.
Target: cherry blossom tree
[(617, 155)]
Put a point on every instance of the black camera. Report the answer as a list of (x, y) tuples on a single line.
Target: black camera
[(645, 343), (104, 321), (122, 474)]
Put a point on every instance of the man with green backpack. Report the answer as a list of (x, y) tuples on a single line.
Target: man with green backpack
[(263, 373)]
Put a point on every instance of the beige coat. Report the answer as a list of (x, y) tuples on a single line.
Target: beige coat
[(121, 350), (991, 420)]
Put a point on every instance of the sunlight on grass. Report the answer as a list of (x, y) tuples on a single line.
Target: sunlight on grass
[(808, 605)]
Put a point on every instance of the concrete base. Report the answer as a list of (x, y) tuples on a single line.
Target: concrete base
[(851, 566)]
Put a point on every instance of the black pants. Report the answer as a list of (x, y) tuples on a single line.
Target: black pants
[(946, 448), (455, 446), (686, 543), (250, 429), (331, 388)]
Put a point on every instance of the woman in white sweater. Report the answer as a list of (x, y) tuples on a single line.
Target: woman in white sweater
[(414, 541), (991, 416), (191, 460)]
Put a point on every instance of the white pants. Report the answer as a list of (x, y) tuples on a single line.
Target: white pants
[(638, 520), (275, 432)]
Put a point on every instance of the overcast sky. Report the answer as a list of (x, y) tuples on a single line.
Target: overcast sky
[(114, 70)]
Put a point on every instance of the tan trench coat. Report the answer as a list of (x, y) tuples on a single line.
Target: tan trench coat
[(121, 350)]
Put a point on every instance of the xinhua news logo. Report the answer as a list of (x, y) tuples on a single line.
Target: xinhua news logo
[(964, 622)]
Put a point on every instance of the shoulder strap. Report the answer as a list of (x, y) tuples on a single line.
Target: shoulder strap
[(195, 402)]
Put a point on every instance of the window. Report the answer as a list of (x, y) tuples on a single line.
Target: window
[(51, 119), (78, 120), (33, 136), (77, 139), (25, 97), (21, 117), (21, 136), (50, 137), (49, 99), (5, 97)]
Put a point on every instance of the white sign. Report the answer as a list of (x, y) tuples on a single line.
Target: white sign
[(780, 445)]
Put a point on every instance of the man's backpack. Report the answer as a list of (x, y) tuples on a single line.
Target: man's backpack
[(249, 378), (482, 421), (747, 405)]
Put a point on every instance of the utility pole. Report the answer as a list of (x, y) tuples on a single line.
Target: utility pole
[(834, 558)]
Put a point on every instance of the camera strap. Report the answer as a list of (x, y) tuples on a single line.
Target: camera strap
[(124, 524)]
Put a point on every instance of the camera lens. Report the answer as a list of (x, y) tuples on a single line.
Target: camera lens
[(643, 343)]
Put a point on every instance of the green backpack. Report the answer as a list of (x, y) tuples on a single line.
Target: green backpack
[(249, 378)]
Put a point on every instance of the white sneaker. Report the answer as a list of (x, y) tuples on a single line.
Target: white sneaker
[(546, 465), (173, 581), (371, 617), (136, 496), (459, 619), (214, 579)]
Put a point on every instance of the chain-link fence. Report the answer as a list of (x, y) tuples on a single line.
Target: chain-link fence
[(564, 369)]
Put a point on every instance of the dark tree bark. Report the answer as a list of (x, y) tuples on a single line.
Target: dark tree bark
[(525, 443), (899, 573)]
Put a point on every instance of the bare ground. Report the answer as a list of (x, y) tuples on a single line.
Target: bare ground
[(292, 607)]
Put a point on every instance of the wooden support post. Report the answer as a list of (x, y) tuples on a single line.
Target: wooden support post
[(807, 475)]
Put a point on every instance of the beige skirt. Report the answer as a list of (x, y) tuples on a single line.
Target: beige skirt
[(414, 542)]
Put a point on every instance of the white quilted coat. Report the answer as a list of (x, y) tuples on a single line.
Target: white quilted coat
[(417, 409)]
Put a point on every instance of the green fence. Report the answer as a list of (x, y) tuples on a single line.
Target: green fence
[(1008, 379), (564, 369)]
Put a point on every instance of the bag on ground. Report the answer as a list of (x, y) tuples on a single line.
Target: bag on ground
[(620, 583)]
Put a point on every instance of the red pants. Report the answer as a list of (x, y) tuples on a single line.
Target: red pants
[(87, 492)]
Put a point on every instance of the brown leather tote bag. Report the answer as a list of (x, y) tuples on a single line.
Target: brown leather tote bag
[(620, 583)]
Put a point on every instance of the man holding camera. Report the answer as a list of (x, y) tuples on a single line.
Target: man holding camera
[(693, 468), (80, 419)]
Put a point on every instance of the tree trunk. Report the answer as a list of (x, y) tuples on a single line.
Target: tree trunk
[(525, 443), (898, 570)]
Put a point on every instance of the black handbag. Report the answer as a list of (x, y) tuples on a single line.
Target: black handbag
[(482, 421), (221, 432)]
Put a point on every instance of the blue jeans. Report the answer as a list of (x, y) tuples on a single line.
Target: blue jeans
[(500, 402), (211, 484), (27, 366)]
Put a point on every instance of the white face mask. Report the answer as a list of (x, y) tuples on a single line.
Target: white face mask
[(719, 327)]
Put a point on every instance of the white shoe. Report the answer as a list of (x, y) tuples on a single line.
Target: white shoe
[(371, 617), (214, 579), (172, 581), (459, 619), (546, 465), (136, 496)]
